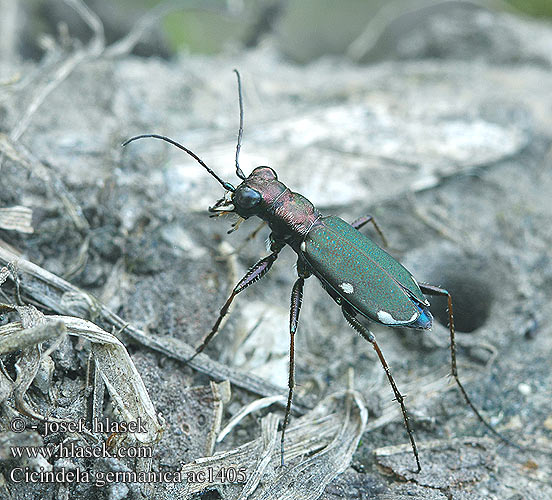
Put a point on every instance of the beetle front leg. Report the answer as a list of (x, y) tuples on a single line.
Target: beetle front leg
[(361, 221), (250, 237), (254, 274), (370, 337), (428, 289)]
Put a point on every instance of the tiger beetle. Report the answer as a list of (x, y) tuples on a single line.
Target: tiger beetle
[(358, 274)]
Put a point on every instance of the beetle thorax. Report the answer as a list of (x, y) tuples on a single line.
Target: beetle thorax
[(264, 196), (292, 213)]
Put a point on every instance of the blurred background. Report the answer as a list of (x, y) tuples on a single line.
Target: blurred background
[(302, 30)]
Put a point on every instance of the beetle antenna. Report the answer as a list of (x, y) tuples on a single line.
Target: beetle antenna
[(239, 171), (225, 185)]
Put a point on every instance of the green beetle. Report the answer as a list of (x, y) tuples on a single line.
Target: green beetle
[(358, 274)]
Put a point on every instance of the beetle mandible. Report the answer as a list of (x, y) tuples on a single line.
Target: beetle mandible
[(361, 277)]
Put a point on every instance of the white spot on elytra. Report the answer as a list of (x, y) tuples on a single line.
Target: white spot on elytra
[(387, 319), (347, 287), (304, 246)]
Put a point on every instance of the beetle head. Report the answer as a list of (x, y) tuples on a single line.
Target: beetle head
[(253, 195)]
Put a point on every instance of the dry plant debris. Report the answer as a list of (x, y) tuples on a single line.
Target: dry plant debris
[(319, 446)]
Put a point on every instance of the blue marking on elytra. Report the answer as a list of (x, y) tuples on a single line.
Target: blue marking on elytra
[(424, 319)]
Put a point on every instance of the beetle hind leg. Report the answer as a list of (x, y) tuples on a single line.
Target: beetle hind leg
[(361, 221), (370, 337), (428, 289)]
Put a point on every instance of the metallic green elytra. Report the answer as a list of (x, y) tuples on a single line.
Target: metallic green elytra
[(361, 273)]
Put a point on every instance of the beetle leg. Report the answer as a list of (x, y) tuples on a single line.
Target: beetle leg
[(428, 289), (370, 337), (255, 232), (250, 237), (361, 221), (295, 308), (254, 274), (235, 226)]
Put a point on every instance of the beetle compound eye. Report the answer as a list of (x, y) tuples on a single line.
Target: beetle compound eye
[(246, 198)]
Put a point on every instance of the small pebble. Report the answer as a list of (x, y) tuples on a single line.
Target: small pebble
[(524, 389)]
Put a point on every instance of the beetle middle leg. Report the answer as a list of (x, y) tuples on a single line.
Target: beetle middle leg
[(370, 337), (254, 274), (361, 221), (295, 308), (428, 289)]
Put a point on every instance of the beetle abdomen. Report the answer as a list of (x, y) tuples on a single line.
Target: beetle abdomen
[(364, 275)]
